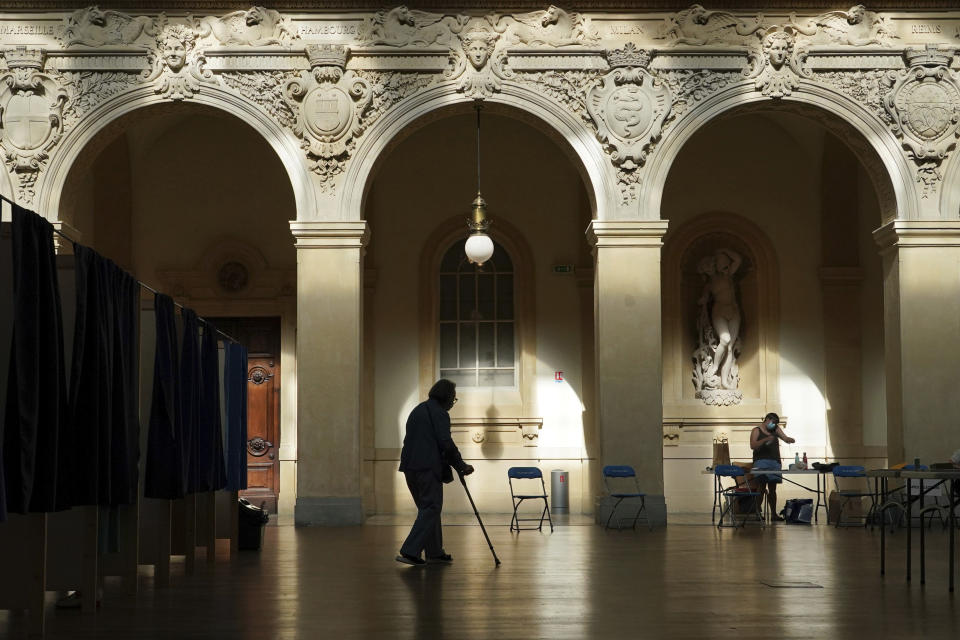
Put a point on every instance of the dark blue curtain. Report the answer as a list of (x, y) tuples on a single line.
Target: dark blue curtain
[(6, 337), (36, 404), (164, 468), (126, 384), (235, 401), (189, 382), (212, 473), (104, 393)]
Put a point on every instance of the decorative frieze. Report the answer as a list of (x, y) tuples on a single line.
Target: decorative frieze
[(88, 89), (131, 62), (697, 26), (93, 27), (265, 88), (856, 27), (534, 60), (255, 27)]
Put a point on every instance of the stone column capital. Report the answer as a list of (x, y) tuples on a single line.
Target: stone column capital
[(336, 234), (626, 233), (918, 233)]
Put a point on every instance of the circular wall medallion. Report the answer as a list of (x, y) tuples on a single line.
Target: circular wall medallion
[(233, 276), (629, 112), (327, 111)]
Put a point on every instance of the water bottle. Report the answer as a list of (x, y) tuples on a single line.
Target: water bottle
[(804, 459), (796, 459)]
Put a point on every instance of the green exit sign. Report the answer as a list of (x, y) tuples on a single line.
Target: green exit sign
[(563, 268)]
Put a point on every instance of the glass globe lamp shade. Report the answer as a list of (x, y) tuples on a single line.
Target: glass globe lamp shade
[(479, 248)]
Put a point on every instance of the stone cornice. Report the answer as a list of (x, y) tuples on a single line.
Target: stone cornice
[(630, 6), (626, 233), (330, 235), (918, 233)]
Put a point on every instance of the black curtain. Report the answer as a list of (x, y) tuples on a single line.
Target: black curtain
[(235, 401), (91, 391), (190, 397), (212, 473), (36, 406), (126, 384), (104, 391), (6, 338), (164, 467)]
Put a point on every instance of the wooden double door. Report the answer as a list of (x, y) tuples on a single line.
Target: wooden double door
[(261, 336)]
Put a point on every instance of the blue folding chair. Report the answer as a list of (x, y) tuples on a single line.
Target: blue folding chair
[(620, 489), (855, 486), (528, 473), (735, 494)]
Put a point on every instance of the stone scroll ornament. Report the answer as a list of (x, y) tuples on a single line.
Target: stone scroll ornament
[(177, 66), (924, 105), (716, 374), (31, 116), (329, 105)]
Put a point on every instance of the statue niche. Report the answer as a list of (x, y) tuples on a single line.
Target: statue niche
[(716, 375)]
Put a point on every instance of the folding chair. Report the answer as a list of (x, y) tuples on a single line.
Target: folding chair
[(611, 473), (737, 494), (855, 486), (528, 473)]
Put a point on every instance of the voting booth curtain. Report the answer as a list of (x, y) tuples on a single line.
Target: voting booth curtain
[(71, 437)]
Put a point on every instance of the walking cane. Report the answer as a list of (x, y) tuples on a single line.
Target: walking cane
[(477, 513)]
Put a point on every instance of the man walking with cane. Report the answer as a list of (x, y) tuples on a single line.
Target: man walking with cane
[(426, 459)]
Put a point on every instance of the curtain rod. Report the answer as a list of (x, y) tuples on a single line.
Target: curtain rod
[(139, 282)]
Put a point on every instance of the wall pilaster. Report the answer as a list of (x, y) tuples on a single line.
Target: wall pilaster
[(628, 350), (921, 270), (329, 371)]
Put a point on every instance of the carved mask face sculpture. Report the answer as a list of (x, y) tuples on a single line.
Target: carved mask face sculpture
[(478, 51), (777, 48), (174, 53)]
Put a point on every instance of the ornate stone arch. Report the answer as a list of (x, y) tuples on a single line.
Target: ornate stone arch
[(52, 183), (548, 116), (880, 151)]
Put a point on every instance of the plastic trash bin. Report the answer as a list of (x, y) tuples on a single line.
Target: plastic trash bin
[(252, 521), (559, 491)]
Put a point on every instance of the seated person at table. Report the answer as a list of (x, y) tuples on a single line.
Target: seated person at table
[(765, 442)]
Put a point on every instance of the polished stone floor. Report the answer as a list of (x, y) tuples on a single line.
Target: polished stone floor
[(688, 581)]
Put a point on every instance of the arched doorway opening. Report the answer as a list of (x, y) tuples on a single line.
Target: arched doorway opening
[(531, 313), (795, 194), (196, 203)]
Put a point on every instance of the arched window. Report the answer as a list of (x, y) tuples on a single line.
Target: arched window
[(477, 334)]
